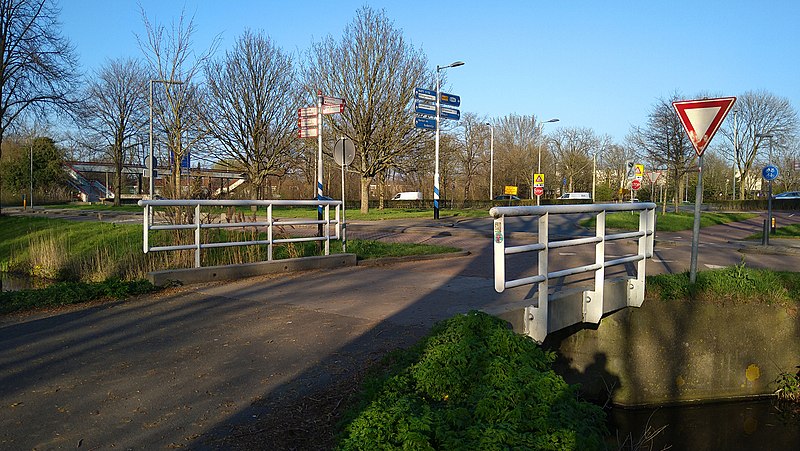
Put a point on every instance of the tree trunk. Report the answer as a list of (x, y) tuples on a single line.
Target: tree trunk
[(365, 181)]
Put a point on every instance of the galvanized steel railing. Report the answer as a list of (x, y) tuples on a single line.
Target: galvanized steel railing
[(269, 224), (537, 318)]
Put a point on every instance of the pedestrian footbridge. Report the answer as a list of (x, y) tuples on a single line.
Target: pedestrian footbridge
[(527, 261)]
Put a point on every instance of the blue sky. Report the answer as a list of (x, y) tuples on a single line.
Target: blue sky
[(597, 64)]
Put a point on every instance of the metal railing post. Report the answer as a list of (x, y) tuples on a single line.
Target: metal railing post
[(636, 286), (593, 300), (197, 235), (269, 233), (499, 255), (327, 229), (146, 229)]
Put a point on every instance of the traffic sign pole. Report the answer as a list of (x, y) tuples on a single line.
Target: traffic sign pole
[(700, 119), (698, 200)]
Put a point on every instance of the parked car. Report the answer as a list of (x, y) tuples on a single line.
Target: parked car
[(506, 197), (788, 195)]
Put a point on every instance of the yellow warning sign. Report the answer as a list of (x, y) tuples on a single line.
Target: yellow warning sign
[(538, 180), (639, 171), (511, 190)]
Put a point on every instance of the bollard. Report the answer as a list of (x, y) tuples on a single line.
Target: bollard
[(773, 226), (765, 234)]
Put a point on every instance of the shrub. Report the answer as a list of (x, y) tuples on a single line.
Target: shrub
[(472, 384)]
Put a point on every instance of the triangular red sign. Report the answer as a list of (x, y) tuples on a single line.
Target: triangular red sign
[(702, 118)]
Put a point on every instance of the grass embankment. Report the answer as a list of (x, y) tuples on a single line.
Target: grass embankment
[(94, 251), (472, 383), (791, 231), (67, 293), (670, 222), (97, 260), (737, 283)]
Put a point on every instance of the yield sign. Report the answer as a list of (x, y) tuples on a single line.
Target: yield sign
[(702, 118)]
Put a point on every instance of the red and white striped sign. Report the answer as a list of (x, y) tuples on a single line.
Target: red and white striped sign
[(332, 101), (308, 133), (305, 122), (307, 111)]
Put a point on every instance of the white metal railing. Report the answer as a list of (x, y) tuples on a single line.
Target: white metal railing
[(538, 321), (269, 224)]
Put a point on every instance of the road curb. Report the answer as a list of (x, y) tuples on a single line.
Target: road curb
[(410, 258)]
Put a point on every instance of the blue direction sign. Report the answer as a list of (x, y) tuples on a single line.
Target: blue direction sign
[(769, 172), (449, 113), (424, 122), (425, 94), (449, 99), (425, 108)]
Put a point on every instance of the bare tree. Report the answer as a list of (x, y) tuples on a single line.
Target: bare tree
[(37, 64), (665, 143), (757, 113), (115, 111), (472, 152), (375, 70), (252, 108), (787, 157), (573, 147), (175, 68), (611, 163), (517, 141)]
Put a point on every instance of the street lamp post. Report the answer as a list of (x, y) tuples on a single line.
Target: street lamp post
[(150, 164), (491, 162), (438, 120), (539, 165)]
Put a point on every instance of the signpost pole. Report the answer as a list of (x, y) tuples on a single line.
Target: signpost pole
[(319, 159), (436, 152), (344, 224), (768, 232), (698, 200)]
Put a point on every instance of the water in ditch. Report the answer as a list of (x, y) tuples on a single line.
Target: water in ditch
[(748, 425)]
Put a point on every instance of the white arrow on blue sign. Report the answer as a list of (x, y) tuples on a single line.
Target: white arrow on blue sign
[(425, 94), (449, 113), (425, 108), (424, 122), (769, 173)]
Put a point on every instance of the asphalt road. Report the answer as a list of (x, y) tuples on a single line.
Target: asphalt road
[(185, 367)]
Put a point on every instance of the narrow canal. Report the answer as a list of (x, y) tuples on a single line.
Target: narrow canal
[(743, 425)]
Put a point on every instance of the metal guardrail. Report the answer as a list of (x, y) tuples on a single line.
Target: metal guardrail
[(538, 321), (269, 224)]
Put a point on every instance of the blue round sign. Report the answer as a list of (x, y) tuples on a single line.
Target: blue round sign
[(769, 172)]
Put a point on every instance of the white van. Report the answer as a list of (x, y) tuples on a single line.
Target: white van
[(408, 195), (581, 196)]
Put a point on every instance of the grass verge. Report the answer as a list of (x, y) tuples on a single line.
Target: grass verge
[(66, 250), (472, 383), (670, 222), (67, 293), (791, 231), (737, 283)]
